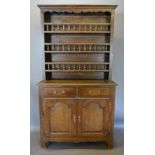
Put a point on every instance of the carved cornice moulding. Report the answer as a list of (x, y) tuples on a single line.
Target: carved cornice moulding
[(77, 8)]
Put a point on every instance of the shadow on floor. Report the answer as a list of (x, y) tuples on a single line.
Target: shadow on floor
[(83, 145), (57, 148)]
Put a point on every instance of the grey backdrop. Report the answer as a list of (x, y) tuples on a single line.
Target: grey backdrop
[(36, 56)]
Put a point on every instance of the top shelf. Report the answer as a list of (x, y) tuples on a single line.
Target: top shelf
[(77, 28), (48, 23)]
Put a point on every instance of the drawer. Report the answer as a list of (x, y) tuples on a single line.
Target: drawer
[(59, 92), (94, 92)]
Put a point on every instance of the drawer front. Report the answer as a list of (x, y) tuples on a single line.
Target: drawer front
[(94, 92), (59, 92)]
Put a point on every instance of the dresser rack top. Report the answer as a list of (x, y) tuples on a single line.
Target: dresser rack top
[(77, 8)]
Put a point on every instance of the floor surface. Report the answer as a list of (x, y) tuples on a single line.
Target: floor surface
[(78, 148)]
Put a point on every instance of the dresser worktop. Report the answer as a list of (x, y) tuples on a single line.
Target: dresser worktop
[(76, 83)]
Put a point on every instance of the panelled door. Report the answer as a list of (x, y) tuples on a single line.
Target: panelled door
[(60, 117), (72, 117), (93, 117)]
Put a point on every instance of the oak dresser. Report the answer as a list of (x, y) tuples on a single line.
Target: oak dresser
[(77, 97)]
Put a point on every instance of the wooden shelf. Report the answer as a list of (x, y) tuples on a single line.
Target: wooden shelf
[(108, 43), (88, 32), (77, 62), (68, 52), (47, 23), (77, 28), (77, 47), (76, 70), (77, 66)]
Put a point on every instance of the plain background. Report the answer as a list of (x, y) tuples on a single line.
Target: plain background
[(37, 59), (139, 76)]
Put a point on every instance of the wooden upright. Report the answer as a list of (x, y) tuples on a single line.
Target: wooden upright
[(77, 97)]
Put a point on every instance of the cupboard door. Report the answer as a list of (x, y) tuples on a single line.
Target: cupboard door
[(94, 117), (59, 115)]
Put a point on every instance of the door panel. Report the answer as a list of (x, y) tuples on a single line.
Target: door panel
[(94, 117), (59, 117), (92, 113)]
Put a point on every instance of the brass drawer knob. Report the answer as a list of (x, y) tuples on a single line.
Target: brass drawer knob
[(90, 91), (98, 92), (63, 92), (60, 93), (94, 92)]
